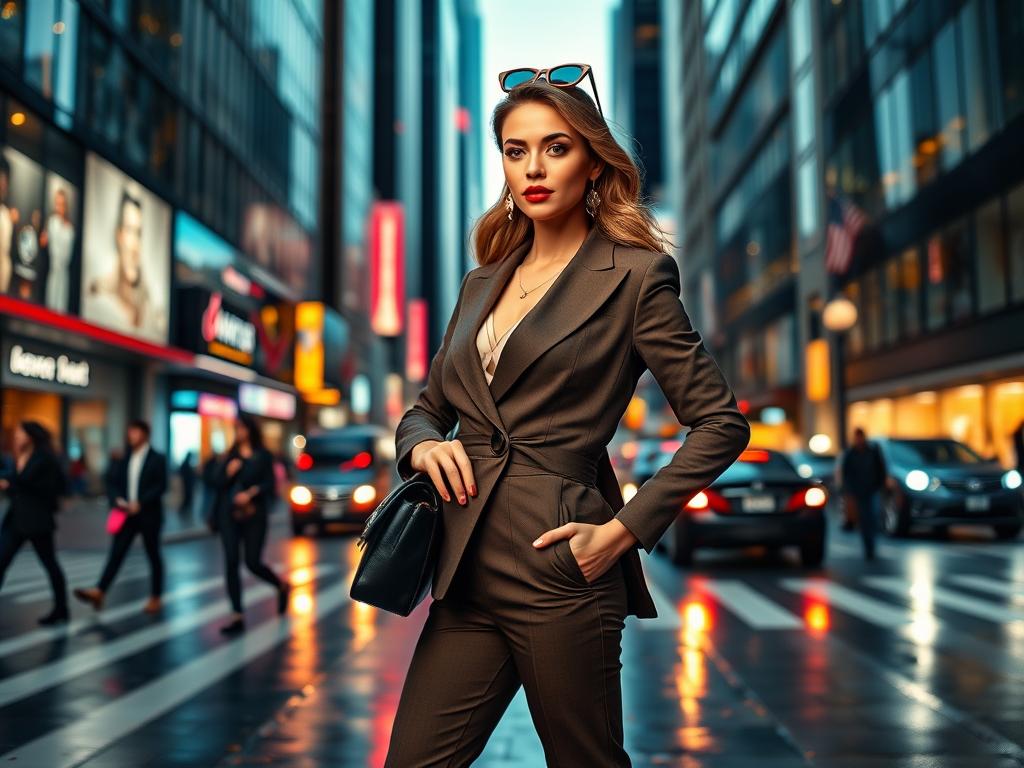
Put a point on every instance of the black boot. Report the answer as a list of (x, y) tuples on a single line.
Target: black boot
[(234, 627)]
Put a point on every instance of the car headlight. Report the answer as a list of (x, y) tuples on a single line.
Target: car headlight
[(805, 470), (1012, 480), (301, 496), (917, 480), (364, 494)]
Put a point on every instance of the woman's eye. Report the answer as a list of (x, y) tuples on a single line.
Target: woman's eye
[(561, 147)]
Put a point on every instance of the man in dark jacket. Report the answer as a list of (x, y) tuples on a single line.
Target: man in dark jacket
[(864, 474), (137, 485)]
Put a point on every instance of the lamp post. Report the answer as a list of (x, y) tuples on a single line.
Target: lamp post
[(839, 316)]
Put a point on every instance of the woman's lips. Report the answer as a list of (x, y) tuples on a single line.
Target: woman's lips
[(537, 197)]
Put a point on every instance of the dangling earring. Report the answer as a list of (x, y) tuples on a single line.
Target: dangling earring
[(593, 202), (509, 205)]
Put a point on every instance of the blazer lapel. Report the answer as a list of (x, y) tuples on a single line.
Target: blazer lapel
[(582, 287), (482, 294), (585, 284)]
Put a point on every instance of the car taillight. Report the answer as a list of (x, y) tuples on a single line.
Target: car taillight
[(304, 462), (813, 497), (708, 501)]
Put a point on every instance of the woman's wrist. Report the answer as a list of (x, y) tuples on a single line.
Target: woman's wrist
[(621, 537)]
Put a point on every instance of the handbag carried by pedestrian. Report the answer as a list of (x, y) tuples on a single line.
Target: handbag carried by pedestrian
[(400, 544)]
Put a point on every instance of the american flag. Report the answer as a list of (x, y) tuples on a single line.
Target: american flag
[(845, 221)]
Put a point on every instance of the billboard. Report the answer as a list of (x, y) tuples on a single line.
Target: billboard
[(38, 231), (126, 254)]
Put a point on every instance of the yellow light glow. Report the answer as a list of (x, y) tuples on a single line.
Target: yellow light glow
[(18, 118)]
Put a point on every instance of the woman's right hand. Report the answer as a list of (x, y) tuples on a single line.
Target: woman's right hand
[(441, 459)]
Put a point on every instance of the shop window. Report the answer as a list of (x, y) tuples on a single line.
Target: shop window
[(910, 292), (890, 301), (949, 277), (990, 263), (871, 317), (1015, 215)]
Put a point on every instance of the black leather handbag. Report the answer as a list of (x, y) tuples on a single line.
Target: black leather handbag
[(399, 546)]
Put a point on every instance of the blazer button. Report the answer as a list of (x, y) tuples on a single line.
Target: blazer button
[(498, 443)]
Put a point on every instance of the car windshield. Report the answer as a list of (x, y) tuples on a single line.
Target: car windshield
[(337, 453), (933, 452), (759, 465)]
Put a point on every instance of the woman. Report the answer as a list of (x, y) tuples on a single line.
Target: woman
[(245, 483), (573, 301), (33, 489)]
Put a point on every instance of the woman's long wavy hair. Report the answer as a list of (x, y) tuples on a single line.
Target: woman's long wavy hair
[(623, 217)]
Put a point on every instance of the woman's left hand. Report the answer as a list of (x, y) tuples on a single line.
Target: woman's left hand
[(597, 546), (242, 498)]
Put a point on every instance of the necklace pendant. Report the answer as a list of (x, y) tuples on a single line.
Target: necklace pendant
[(522, 295)]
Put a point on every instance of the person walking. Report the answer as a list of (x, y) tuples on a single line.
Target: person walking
[(864, 475), (34, 485), (245, 482), (574, 299), (136, 484), (187, 475)]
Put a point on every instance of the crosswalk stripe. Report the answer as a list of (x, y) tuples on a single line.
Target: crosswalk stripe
[(947, 598), (72, 744), (751, 606), (72, 665), (107, 616), (38, 575), (43, 592), (850, 601), (992, 586)]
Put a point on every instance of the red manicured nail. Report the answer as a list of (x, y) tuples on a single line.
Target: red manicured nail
[(472, 489)]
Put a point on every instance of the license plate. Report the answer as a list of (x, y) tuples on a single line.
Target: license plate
[(331, 509), (977, 503), (758, 503)]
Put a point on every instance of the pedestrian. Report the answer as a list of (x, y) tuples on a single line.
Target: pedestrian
[(187, 475), (136, 484), (864, 475), (34, 485), (538, 564), (245, 483)]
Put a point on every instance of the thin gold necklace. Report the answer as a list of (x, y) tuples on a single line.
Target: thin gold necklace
[(525, 292)]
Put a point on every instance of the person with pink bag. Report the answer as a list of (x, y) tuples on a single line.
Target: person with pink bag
[(136, 486)]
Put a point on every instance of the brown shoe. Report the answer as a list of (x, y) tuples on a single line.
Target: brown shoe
[(92, 596), (153, 605)]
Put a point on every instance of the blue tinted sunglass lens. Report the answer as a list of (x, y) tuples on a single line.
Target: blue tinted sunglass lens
[(565, 75), (520, 76)]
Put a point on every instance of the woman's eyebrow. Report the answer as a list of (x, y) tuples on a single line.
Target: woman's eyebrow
[(545, 140)]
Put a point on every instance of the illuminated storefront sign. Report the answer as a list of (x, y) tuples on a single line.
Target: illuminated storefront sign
[(60, 369), (227, 334), (264, 401), (216, 406)]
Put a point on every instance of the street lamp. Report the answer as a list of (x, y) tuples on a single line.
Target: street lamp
[(839, 316)]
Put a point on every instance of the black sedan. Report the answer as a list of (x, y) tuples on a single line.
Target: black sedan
[(342, 475), (936, 483), (759, 500)]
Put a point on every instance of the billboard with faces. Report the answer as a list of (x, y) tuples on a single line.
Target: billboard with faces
[(38, 231), (126, 252)]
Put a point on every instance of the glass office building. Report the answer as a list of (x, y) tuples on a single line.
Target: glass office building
[(158, 158)]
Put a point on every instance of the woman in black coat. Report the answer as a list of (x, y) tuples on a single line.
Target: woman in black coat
[(34, 489), (245, 491)]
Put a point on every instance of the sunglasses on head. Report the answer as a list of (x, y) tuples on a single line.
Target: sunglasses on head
[(562, 76)]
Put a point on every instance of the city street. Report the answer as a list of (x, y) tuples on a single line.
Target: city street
[(912, 660)]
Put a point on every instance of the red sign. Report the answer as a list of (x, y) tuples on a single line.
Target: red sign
[(416, 364), (387, 267)]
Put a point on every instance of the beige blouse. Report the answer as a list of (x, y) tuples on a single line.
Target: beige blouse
[(489, 347)]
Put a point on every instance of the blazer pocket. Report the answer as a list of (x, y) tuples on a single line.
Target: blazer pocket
[(563, 552)]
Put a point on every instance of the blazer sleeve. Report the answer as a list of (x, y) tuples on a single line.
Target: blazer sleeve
[(699, 395), (431, 417)]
